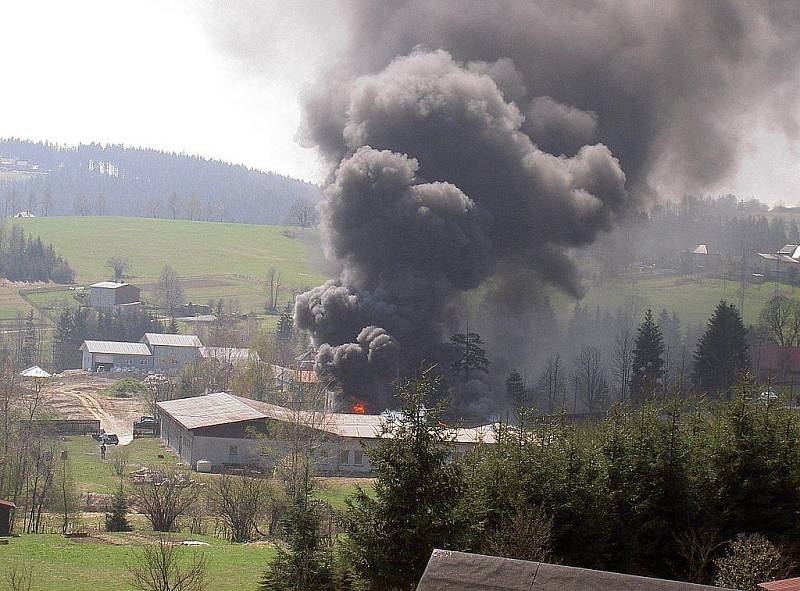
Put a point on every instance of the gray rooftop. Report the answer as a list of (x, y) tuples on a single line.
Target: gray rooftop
[(209, 410), (108, 284), (229, 354), (116, 348), (457, 571), (171, 340), (223, 408)]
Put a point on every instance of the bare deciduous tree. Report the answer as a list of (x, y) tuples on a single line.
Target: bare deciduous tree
[(551, 382), (120, 459), (19, 576), (781, 319), (119, 265), (590, 377), (242, 501), (165, 498), (165, 566), (273, 287), (623, 358), (525, 535), (303, 213)]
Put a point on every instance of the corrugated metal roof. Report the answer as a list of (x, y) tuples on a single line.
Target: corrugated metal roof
[(783, 585), (171, 340), (209, 410), (108, 284), (458, 571), (222, 408), (229, 354), (116, 348)]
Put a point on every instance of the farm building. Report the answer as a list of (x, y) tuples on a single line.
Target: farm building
[(229, 355), (116, 356), (111, 296), (458, 571), (172, 351), (220, 429)]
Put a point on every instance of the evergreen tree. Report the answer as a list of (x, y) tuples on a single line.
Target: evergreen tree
[(418, 501), (722, 352), (172, 327), (648, 359), (471, 354), (29, 344), (117, 516), (285, 328), (306, 563), (515, 390)]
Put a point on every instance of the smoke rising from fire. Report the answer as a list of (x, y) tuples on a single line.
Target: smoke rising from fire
[(483, 141)]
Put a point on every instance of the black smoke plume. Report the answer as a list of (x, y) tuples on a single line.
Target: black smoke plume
[(469, 141)]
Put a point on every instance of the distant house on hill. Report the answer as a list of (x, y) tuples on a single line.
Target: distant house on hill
[(701, 259), (109, 296), (780, 267), (790, 250), (458, 571), (778, 365)]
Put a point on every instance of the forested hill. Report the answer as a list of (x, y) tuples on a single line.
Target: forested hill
[(94, 179)]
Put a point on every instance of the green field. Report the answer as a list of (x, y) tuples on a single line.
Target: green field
[(60, 564), (693, 299), (229, 262), (214, 260)]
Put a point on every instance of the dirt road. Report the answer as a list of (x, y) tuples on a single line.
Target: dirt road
[(79, 395)]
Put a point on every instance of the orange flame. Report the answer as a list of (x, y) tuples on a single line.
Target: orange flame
[(359, 408)]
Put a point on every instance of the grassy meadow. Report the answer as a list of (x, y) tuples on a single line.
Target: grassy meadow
[(229, 262), (99, 562), (214, 260)]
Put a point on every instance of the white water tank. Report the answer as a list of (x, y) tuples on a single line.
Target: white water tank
[(203, 466)]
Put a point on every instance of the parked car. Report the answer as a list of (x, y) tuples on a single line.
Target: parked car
[(107, 438)]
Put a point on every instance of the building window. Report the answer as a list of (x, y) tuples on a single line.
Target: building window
[(358, 457), (344, 457), (234, 450)]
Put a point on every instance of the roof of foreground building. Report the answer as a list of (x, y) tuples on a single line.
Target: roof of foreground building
[(458, 571)]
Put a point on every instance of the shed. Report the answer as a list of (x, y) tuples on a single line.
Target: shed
[(458, 571), (5, 517)]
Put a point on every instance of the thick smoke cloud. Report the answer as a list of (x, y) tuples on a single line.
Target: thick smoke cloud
[(476, 141), (436, 186)]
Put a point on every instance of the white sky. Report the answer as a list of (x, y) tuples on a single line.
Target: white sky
[(168, 74)]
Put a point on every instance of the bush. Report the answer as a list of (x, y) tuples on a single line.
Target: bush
[(750, 560)]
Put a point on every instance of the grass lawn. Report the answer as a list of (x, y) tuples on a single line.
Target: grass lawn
[(193, 249), (93, 475), (693, 299), (66, 565)]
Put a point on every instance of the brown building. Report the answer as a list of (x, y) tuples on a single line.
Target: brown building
[(5, 517)]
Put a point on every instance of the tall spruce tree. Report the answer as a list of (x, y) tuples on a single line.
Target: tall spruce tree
[(471, 354), (419, 497), (648, 359), (722, 352)]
